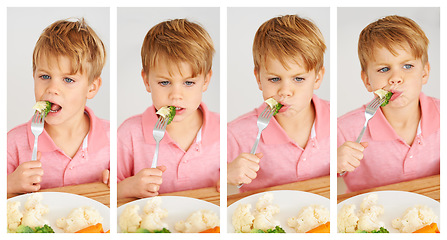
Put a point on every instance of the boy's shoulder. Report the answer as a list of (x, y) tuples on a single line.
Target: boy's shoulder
[(131, 123), (18, 131), (243, 121), (351, 118)]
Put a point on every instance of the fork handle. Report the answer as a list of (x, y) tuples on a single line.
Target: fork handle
[(255, 146), (359, 138), (34, 156), (155, 159)]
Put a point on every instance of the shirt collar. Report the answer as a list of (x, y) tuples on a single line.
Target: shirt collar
[(96, 136), (149, 118), (275, 134), (428, 124)]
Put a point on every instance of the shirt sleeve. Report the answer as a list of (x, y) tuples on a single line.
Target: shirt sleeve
[(125, 155), (233, 148)]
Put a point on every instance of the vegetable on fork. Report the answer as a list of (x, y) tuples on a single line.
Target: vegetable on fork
[(274, 105), (167, 112), (42, 107), (384, 94)]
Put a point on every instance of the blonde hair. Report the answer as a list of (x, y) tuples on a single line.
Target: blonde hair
[(176, 41), (75, 40), (289, 36), (390, 32)]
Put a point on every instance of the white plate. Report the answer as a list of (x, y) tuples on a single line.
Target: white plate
[(289, 202), (179, 209), (394, 203), (60, 205)]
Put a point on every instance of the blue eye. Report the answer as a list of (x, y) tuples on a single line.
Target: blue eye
[(68, 80), (189, 83), (298, 79), (164, 83), (274, 79), (46, 77), (385, 69), (408, 66)]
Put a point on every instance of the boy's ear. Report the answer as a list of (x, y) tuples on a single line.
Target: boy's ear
[(426, 73), (207, 80), (258, 79), (146, 80), (365, 79), (94, 87), (319, 78)]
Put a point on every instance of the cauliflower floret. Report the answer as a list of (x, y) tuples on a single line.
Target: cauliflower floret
[(14, 215), (264, 216), (309, 218), (243, 218), (78, 219), (347, 219), (34, 211), (198, 221), (370, 212), (414, 219), (152, 219), (130, 219)]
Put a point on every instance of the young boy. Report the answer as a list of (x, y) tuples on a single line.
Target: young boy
[(288, 55), (401, 141), (74, 147), (177, 58)]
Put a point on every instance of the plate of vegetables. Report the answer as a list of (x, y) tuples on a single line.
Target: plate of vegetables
[(411, 212), (40, 213), (287, 206), (168, 214)]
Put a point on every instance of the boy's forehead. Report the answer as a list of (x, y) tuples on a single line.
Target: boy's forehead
[(394, 51), (171, 68), (49, 62), (288, 63)]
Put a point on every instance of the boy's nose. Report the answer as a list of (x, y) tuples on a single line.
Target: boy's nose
[(396, 78), (53, 88), (176, 92), (285, 90)]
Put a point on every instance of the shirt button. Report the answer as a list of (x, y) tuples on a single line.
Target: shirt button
[(304, 159), (411, 156), (71, 168)]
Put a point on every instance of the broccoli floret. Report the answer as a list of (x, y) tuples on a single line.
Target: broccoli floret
[(171, 114), (276, 108), (387, 99), (24, 229), (44, 229), (167, 112), (257, 231), (381, 230), (142, 230), (43, 107), (164, 230), (277, 229)]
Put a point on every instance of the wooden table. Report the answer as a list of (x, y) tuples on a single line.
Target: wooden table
[(320, 186), (209, 194), (428, 186), (97, 191)]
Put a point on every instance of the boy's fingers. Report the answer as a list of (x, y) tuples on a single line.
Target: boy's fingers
[(252, 157), (39, 155), (364, 144), (105, 176), (253, 166), (356, 146), (259, 155), (162, 168)]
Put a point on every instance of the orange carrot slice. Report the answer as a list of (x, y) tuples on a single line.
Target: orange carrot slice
[(323, 228), (432, 228), (97, 228), (212, 230)]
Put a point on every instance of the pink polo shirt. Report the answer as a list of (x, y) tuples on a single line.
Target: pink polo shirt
[(60, 170), (198, 167), (388, 159), (284, 161)]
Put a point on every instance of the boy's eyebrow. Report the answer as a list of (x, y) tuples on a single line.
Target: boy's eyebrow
[(295, 74), (170, 77)]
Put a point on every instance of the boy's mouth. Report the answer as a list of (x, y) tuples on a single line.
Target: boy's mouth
[(396, 94), (179, 110), (55, 108)]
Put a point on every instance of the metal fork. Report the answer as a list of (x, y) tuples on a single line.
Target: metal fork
[(370, 110), (158, 132), (262, 122), (37, 125)]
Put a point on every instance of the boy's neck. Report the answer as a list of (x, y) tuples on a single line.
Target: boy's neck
[(404, 121), (299, 126), (75, 128), (185, 131)]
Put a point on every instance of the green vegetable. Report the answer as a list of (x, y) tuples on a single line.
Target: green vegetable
[(171, 114), (43, 107), (387, 99), (24, 229), (277, 229), (44, 229), (143, 230), (381, 230), (276, 108)]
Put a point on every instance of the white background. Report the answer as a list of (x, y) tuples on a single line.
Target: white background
[(24, 28), (133, 25), (243, 92), (351, 92)]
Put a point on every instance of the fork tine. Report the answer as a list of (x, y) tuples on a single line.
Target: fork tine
[(266, 113)]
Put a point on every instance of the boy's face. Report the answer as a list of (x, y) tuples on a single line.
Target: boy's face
[(402, 74), (68, 93), (176, 88), (292, 87)]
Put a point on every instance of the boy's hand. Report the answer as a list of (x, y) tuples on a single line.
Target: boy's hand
[(244, 168), (218, 186), (105, 177), (27, 177), (145, 183), (349, 156)]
